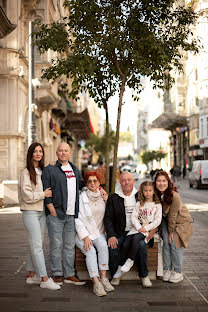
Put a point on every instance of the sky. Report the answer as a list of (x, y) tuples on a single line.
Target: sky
[(129, 112)]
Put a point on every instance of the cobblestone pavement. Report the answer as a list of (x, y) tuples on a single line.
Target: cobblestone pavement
[(15, 296)]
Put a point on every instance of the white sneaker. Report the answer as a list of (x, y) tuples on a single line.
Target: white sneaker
[(98, 289), (115, 281), (127, 265), (166, 275), (106, 284), (146, 282), (50, 284), (118, 273), (33, 280), (176, 277)]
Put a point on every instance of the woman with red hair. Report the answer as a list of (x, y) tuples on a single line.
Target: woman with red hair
[(176, 227), (90, 238)]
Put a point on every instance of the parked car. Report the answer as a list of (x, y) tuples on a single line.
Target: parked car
[(132, 170), (198, 176)]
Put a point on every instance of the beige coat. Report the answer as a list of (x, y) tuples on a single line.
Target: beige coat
[(179, 221), (30, 196)]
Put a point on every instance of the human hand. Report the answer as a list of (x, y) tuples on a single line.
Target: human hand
[(151, 234), (53, 213), (170, 238), (142, 230), (48, 192), (52, 163), (87, 243), (112, 242), (104, 195)]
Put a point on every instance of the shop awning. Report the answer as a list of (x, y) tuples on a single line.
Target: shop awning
[(78, 124), (5, 25), (169, 121)]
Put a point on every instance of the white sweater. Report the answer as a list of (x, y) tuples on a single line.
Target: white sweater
[(149, 216)]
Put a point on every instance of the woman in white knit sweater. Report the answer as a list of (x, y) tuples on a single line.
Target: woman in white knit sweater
[(31, 196), (90, 238)]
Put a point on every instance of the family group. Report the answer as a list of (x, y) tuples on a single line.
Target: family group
[(111, 231)]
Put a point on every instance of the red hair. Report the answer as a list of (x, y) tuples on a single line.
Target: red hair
[(168, 195), (89, 174)]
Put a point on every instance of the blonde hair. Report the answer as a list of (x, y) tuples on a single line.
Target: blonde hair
[(141, 194)]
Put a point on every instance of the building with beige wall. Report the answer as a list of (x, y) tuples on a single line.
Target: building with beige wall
[(30, 108)]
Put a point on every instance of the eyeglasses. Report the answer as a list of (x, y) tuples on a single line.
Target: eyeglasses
[(92, 181)]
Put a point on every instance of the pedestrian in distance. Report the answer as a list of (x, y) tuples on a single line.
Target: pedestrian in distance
[(176, 227), (146, 216), (31, 199), (101, 172), (117, 222), (176, 175), (62, 208), (90, 237)]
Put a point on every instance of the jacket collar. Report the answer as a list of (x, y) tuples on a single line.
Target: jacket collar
[(59, 164)]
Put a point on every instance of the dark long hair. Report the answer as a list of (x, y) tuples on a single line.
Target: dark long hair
[(168, 194), (30, 166)]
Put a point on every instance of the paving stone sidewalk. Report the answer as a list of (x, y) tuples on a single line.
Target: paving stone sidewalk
[(16, 296)]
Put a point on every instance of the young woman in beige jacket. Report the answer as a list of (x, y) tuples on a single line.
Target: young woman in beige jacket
[(31, 196), (176, 227)]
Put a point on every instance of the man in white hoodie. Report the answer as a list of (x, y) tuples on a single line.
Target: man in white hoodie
[(117, 222)]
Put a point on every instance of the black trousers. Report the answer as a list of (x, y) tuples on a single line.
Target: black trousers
[(140, 259), (130, 247)]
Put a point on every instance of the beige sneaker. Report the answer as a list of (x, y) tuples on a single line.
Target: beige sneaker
[(176, 277), (106, 284), (98, 289), (115, 281), (166, 275), (146, 282)]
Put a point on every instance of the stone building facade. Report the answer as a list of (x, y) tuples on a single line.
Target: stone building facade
[(50, 114)]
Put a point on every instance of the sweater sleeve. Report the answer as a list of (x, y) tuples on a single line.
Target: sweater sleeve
[(157, 219), (134, 217), (29, 196), (173, 212)]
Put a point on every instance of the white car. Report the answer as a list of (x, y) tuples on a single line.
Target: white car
[(198, 176), (132, 170)]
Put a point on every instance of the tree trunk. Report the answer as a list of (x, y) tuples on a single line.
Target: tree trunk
[(107, 148), (122, 89)]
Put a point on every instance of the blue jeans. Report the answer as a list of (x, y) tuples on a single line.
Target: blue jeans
[(97, 256), (140, 260), (172, 257), (62, 245), (35, 223)]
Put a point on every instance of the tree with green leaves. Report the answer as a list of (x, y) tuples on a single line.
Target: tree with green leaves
[(149, 156), (98, 143), (106, 46)]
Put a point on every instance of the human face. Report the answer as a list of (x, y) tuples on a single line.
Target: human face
[(148, 192), (161, 183), (37, 155), (63, 153), (93, 183), (127, 183)]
